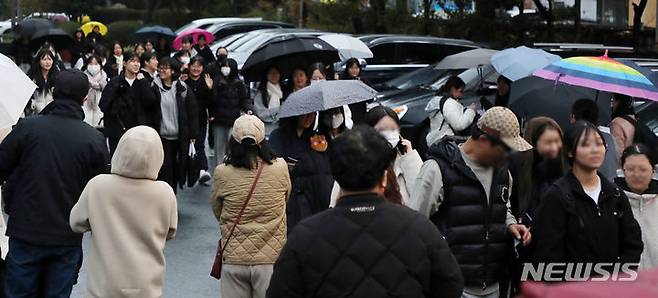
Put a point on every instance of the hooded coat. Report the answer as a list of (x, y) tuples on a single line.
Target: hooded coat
[(645, 210), (131, 215)]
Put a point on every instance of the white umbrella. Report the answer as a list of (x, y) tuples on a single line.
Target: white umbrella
[(468, 59), (348, 46), (521, 62), (16, 88)]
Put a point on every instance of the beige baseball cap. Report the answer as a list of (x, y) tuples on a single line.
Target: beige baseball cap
[(248, 126), (501, 122)]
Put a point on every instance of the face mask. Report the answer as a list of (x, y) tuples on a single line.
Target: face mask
[(185, 60), (337, 120), (221, 57), (226, 71), (392, 136), (94, 69)]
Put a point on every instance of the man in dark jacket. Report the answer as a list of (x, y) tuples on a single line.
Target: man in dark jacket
[(365, 247), (465, 192), (126, 101), (47, 160)]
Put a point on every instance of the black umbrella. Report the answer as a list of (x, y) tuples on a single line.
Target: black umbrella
[(29, 27), (533, 96), (286, 53), (154, 33), (56, 36)]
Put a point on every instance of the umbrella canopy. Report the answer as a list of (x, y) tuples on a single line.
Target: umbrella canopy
[(532, 96), (88, 27), (287, 53), (348, 46), (56, 36), (520, 62), (325, 95), (601, 73), (194, 33), (154, 33), (28, 27), (468, 59), (16, 88)]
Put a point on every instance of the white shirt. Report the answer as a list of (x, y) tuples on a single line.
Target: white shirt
[(130, 81), (594, 193)]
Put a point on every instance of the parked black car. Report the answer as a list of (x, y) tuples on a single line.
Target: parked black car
[(395, 55)]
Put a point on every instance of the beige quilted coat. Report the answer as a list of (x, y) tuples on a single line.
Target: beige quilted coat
[(261, 234)]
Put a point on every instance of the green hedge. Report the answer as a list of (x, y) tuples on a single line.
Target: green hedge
[(107, 15), (123, 31), (69, 27)]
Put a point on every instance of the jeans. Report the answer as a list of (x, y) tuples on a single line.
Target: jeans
[(41, 271), (222, 133)]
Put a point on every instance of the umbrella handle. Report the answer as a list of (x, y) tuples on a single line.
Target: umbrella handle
[(557, 80)]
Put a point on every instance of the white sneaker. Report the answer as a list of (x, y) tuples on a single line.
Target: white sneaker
[(204, 177)]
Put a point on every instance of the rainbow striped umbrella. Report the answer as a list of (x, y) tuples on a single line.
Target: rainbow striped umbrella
[(601, 73)]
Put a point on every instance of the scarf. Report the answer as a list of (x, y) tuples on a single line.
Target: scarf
[(119, 61), (275, 94)]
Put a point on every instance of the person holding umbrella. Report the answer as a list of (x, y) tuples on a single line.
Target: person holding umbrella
[(95, 37), (43, 74), (203, 49), (297, 142), (230, 99), (148, 46), (299, 79)]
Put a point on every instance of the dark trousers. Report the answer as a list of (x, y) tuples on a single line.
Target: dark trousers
[(200, 147), (41, 271), (113, 143), (170, 170)]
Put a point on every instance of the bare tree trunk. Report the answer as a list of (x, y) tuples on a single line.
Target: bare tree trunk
[(577, 22), (427, 15), (638, 10)]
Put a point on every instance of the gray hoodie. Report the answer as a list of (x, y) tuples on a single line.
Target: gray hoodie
[(169, 109)]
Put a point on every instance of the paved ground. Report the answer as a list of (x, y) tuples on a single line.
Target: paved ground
[(189, 256)]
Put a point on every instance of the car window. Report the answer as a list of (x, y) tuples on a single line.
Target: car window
[(649, 116), (423, 76), (447, 50), (471, 77), (252, 43), (382, 54), (416, 53)]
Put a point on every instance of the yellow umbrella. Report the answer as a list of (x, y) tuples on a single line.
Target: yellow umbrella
[(89, 26)]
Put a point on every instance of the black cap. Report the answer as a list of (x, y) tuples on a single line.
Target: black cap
[(71, 84)]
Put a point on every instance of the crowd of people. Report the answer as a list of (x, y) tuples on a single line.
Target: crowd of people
[(332, 203)]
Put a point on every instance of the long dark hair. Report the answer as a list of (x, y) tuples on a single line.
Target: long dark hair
[(351, 62), (318, 66), (262, 87), (453, 82), (531, 159), (580, 130), (92, 58), (379, 112), (35, 71), (624, 106), (246, 155)]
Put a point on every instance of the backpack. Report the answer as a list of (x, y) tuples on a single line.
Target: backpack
[(464, 133), (643, 134)]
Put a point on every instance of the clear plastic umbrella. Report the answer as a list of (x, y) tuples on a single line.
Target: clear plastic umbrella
[(520, 62)]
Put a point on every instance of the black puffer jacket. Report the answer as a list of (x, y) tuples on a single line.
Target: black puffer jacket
[(311, 178), (366, 247), (474, 225), (570, 227), (230, 99), (125, 106), (47, 160)]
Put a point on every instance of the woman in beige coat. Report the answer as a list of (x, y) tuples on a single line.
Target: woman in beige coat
[(131, 215), (261, 231)]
